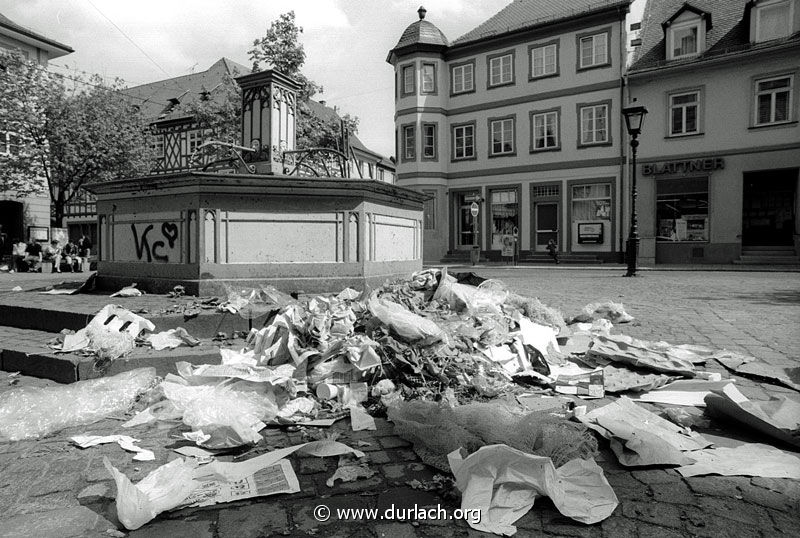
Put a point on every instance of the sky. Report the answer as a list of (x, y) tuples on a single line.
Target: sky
[(346, 41)]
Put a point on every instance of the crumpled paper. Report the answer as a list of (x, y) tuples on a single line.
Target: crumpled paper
[(657, 356), (171, 339), (124, 441), (503, 484), (752, 459)]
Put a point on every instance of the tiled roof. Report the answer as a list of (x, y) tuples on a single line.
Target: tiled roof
[(5, 22), (523, 14), (729, 32), (424, 32), (327, 113), (154, 98)]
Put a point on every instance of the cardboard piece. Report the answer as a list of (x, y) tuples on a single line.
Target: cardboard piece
[(656, 356), (503, 483), (691, 392), (639, 437), (752, 459)]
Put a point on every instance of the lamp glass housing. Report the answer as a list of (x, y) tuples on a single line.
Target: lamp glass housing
[(634, 119)]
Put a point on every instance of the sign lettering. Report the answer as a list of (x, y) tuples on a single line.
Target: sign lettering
[(683, 167)]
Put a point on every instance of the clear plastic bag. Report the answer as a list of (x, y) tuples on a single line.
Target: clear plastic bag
[(403, 322), (31, 412)]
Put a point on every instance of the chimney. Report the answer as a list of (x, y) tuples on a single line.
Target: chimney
[(269, 101)]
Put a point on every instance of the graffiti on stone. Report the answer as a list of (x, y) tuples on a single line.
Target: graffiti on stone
[(155, 250)]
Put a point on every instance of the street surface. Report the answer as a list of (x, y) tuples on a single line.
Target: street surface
[(51, 488)]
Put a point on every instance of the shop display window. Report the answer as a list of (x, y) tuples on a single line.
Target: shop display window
[(505, 216), (591, 202), (682, 209)]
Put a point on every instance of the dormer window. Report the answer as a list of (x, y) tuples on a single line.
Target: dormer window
[(684, 40), (773, 19), (685, 32)]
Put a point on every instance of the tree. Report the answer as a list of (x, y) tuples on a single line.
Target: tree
[(218, 112), (68, 136), (281, 49)]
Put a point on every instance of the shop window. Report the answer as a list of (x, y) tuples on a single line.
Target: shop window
[(502, 134), (682, 209), (501, 69), (429, 210), (593, 50), (591, 202), (544, 60), (429, 141), (684, 113), (773, 20), (544, 127), (409, 143), (464, 142), (463, 78), (505, 216), (428, 78), (409, 80), (773, 102)]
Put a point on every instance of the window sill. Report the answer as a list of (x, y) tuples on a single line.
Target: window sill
[(501, 85), (544, 150), (680, 136), (595, 145), (776, 125), (540, 77), (465, 92), (497, 155), (462, 159), (590, 67)]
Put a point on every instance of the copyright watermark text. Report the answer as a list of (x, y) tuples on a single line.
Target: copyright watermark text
[(323, 513)]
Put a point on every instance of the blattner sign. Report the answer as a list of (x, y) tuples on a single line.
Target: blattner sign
[(683, 167)]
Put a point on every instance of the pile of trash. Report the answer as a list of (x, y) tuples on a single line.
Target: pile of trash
[(485, 383)]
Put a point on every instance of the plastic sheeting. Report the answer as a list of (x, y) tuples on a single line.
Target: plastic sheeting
[(30, 412)]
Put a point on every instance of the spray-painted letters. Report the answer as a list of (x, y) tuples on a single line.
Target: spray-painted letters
[(154, 251)]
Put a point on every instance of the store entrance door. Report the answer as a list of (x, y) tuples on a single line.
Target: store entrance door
[(466, 224), (11, 215), (546, 219), (768, 214)]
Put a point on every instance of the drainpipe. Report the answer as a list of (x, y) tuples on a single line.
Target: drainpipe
[(624, 180)]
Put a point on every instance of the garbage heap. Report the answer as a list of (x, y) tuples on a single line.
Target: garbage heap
[(468, 371)]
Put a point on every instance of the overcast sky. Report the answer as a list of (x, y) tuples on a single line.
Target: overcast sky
[(346, 41)]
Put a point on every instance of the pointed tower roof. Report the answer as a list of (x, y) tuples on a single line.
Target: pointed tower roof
[(420, 35)]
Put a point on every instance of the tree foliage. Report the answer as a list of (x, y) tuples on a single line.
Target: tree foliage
[(280, 48), (69, 136), (218, 112)]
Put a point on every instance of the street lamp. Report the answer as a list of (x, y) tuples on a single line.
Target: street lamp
[(634, 118)]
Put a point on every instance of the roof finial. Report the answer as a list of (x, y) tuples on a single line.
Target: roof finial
[(422, 11)]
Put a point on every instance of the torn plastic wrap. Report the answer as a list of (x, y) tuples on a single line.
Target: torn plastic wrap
[(30, 412), (403, 322), (613, 312), (503, 483)]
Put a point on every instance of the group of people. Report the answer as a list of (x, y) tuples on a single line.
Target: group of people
[(30, 256)]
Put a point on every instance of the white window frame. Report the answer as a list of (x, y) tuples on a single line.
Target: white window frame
[(497, 67), (505, 128), (683, 107), (159, 145), (409, 149), (593, 120), (425, 136), (544, 116), (423, 86), (595, 61), (411, 68), (772, 4), (772, 93), (460, 133), (684, 25), (543, 57), (463, 69)]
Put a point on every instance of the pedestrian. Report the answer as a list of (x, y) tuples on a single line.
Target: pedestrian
[(18, 251), (84, 247), (552, 250), (52, 252)]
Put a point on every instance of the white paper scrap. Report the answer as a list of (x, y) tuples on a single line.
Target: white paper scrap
[(753, 459), (360, 420), (124, 441)]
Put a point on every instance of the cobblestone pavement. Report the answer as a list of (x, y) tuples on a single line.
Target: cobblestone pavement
[(51, 488)]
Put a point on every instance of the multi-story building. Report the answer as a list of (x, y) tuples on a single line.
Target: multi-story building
[(520, 120), (720, 147), (28, 216), (176, 134)]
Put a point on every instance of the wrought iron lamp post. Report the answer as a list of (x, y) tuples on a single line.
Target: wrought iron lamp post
[(634, 118)]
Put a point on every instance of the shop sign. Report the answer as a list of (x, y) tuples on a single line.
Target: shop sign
[(473, 209), (683, 167), (590, 233)]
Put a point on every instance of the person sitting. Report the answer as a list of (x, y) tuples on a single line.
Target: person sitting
[(52, 253), (18, 252), (33, 256), (70, 253)]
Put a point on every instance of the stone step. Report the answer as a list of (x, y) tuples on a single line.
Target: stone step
[(782, 248), (26, 351), (769, 253), (768, 260)]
